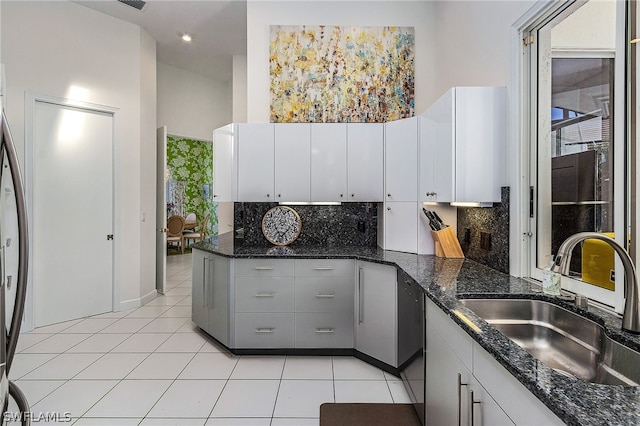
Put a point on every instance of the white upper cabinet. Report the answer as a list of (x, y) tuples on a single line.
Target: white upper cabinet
[(328, 162), (365, 161), (462, 146), (401, 160), (292, 162), (224, 164), (255, 143)]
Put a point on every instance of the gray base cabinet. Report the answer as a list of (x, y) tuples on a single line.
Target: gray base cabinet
[(376, 318), (264, 290), (210, 294), (465, 385)]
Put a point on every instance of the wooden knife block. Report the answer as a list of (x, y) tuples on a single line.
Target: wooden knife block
[(446, 244)]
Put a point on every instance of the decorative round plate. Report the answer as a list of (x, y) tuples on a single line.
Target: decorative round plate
[(281, 225)]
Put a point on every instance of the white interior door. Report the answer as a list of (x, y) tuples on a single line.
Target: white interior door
[(72, 212), (161, 211)]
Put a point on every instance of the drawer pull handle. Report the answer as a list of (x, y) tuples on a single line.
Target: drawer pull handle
[(264, 268), (324, 330), (264, 330), (265, 294), (326, 296), (323, 268)]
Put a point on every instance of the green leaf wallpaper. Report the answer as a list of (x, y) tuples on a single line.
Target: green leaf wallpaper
[(190, 166)]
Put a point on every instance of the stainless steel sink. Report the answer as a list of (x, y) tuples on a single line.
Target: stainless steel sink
[(561, 339)]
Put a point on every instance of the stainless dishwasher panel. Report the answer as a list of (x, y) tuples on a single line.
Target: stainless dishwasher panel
[(411, 335)]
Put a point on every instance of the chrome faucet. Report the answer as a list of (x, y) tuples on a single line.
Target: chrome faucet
[(631, 315)]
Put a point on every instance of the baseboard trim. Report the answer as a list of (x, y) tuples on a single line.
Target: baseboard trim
[(125, 305), (149, 297)]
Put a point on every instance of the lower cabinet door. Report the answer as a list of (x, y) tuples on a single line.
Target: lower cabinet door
[(453, 395), (376, 319), (217, 295), (264, 330), (324, 330), (199, 308)]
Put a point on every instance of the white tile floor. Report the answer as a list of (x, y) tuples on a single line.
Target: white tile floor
[(153, 366)]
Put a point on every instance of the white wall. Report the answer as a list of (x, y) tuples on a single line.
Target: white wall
[(147, 166), (239, 89), (473, 42), (191, 104), (48, 47), (262, 14)]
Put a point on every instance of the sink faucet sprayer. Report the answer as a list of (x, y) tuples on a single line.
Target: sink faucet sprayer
[(631, 315)]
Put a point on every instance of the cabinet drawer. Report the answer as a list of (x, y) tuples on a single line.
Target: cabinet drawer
[(324, 295), (324, 330), (264, 267), (269, 294), (325, 268), (264, 330)]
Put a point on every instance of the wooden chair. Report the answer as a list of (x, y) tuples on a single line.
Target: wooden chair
[(190, 221), (175, 228), (198, 236)]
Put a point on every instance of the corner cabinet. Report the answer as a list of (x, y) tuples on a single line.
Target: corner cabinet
[(210, 294), (463, 146), (465, 385), (401, 160), (376, 312)]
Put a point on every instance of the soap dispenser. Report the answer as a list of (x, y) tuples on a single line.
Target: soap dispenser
[(550, 280)]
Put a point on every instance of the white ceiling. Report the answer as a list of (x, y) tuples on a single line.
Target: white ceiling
[(219, 29)]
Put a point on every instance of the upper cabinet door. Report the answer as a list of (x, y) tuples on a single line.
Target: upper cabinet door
[(365, 161), (292, 162), (480, 143), (255, 162), (223, 164), (328, 161), (401, 160), (443, 145)]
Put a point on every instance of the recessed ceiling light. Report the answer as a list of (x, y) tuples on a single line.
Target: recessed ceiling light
[(186, 37)]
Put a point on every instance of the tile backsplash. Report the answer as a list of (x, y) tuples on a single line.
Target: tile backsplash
[(483, 233), (327, 225)]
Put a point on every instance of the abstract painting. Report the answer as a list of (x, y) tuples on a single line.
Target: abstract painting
[(333, 74)]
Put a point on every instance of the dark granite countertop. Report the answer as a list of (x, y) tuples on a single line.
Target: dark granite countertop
[(445, 281)]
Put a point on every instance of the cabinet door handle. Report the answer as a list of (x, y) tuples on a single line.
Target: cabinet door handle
[(265, 294), (210, 284), (360, 297), (264, 330), (326, 296), (205, 280), (263, 268), (460, 385), (471, 404), (324, 330), (323, 268)]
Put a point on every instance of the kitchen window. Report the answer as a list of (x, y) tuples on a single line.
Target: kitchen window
[(576, 72)]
